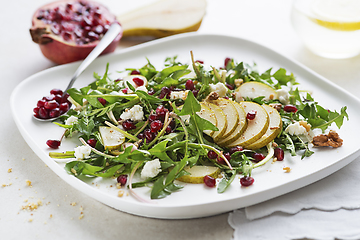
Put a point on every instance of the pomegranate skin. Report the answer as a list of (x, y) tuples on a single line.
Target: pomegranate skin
[(55, 47)]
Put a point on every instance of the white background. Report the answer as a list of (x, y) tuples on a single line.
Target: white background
[(266, 22)]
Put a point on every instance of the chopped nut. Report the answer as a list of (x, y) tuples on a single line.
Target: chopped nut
[(81, 216), (305, 125), (277, 106), (73, 204), (9, 170), (332, 139), (238, 82), (287, 169), (212, 96), (28, 182), (121, 193)]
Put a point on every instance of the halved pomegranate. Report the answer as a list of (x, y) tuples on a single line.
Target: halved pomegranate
[(68, 30)]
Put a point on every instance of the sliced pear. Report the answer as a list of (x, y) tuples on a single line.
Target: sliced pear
[(220, 118), (164, 18), (197, 173), (255, 128), (241, 127), (209, 115), (275, 125), (256, 89), (231, 114), (111, 138)]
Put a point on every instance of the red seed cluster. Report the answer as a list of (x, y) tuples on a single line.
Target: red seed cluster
[(53, 105)]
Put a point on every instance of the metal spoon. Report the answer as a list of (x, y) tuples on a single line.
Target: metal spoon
[(110, 35)]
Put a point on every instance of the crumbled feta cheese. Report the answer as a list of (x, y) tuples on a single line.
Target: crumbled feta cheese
[(283, 96), (179, 95), (295, 129), (151, 169), (71, 120), (220, 88), (135, 113), (82, 152)]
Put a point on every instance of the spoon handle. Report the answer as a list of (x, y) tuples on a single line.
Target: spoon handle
[(110, 35)]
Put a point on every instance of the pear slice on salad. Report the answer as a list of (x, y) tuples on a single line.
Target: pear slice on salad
[(220, 118), (197, 173), (164, 18), (209, 115), (254, 89), (275, 126), (231, 114), (255, 128), (241, 127), (111, 138)]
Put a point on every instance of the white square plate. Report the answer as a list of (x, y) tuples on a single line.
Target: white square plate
[(193, 200)]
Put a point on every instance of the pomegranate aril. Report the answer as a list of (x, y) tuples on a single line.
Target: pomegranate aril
[(122, 179), (92, 142), (290, 108), (49, 98), (200, 61), (195, 92), (156, 126), (64, 107), (53, 143), (138, 81), (251, 115), (56, 29), (43, 113), (54, 113), (229, 86), (279, 154), (36, 110), (135, 72), (51, 105), (227, 60), (246, 181), (211, 154), (189, 85), (102, 101), (128, 125), (235, 149), (56, 91), (149, 136), (141, 136), (165, 92), (168, 129), (161, 112), (151, 92), (153, 117), (40, 103), (258, 157), (125, 90), (221, 160), (209, 181), (98, 29)]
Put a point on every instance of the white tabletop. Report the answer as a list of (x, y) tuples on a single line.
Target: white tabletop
[(67, 213)]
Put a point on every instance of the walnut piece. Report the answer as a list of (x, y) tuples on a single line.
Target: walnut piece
[(212, 96), (332, 139)]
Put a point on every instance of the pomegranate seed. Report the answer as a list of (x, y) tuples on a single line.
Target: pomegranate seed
[(151, 92), (128, 125), (122, 179), (209, 181), (54, 113), (195, 92), (189, 85), (43, 113), (149, 136), (279, 154), (161, 112), (211, 154), (156, 126), (40, 103), (53, 143), (290, 108), (168, 129), (92, 142), (51, 105), (64, 107), (141, 135), (102, 101), (200, 61), (152, 117), (246, 181), (258, 157), (229, 86), (235, 149), (56, 91), (172, 124), (125, 90), (36, 110), (49, 98), (135, 72), (227, 60), (251, 115), (98, 29), (165, 92), (221, 160), (138, 81)]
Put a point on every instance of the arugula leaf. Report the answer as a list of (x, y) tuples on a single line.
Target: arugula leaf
[(226, 181), (159, 150), (86, 126)]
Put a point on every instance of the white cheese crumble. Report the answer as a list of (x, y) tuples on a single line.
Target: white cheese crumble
[(135, 113), (71, 120), (283, 96), (220, 88), (295, 129), (179, 95), (151, 169), (82, 152)]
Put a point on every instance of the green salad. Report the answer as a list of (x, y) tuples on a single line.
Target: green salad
[(191, 123)]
